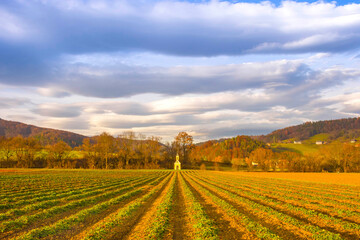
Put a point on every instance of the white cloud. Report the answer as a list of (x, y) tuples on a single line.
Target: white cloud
[(57, 110), (12, 27)]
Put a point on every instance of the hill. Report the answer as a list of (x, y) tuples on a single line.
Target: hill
[(45, 135), (224, 150), (346, 128)]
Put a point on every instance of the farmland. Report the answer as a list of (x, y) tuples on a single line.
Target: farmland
[(164, 204)]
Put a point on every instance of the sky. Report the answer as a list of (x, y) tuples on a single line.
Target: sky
[(214, 69)]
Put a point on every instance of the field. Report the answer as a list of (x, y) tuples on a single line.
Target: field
[(164, 204), (299, 148)]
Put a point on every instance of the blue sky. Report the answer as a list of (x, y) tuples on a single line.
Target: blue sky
[(212, 68)]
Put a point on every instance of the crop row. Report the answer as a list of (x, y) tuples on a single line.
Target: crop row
[(301, 213), (280, 222), (331, 207), (106, 227), (102, 199), (56, 184), (326, 190), (43, 203), (32, 184)]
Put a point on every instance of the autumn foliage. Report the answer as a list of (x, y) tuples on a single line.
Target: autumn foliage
[(136, 151)]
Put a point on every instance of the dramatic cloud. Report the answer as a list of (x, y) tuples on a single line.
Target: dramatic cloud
[(57, 110), (37, 34), (212, 68), (128, 81)]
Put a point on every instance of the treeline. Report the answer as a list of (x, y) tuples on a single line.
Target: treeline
[(334, 157), (245, 153), (348, 128), (126, 151), (136, 151), (225, 151)]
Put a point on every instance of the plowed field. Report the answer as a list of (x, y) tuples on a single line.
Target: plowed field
[(165, 204)]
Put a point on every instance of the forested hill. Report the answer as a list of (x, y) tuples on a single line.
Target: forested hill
[(45, 135), (347, 127), (224, 150)]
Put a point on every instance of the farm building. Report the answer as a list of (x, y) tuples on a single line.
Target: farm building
[(297, 142), (319, 142)]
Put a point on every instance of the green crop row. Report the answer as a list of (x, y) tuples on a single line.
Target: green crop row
[(161, 219), (27, 220), (267, 214), (252, 226), (204, 227), (55, 200), (81, 216), (105, 227), (31, 194), (311, 216), (327, 206)]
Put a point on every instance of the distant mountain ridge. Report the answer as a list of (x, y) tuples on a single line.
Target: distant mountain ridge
[(347, 127), (45, 135)]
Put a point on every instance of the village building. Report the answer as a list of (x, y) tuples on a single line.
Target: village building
[(319, 142), (177, 164), (297, 142)]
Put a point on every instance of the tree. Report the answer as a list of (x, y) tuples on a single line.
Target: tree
[(126, 148), (152, 152), (25, 150), (184, 143), (6, 148), (236, 163), (106, 146), (58, 154), (90, 153), (263, 157)]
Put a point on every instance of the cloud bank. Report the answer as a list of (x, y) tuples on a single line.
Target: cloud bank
[(35, 35), (78, 65)]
